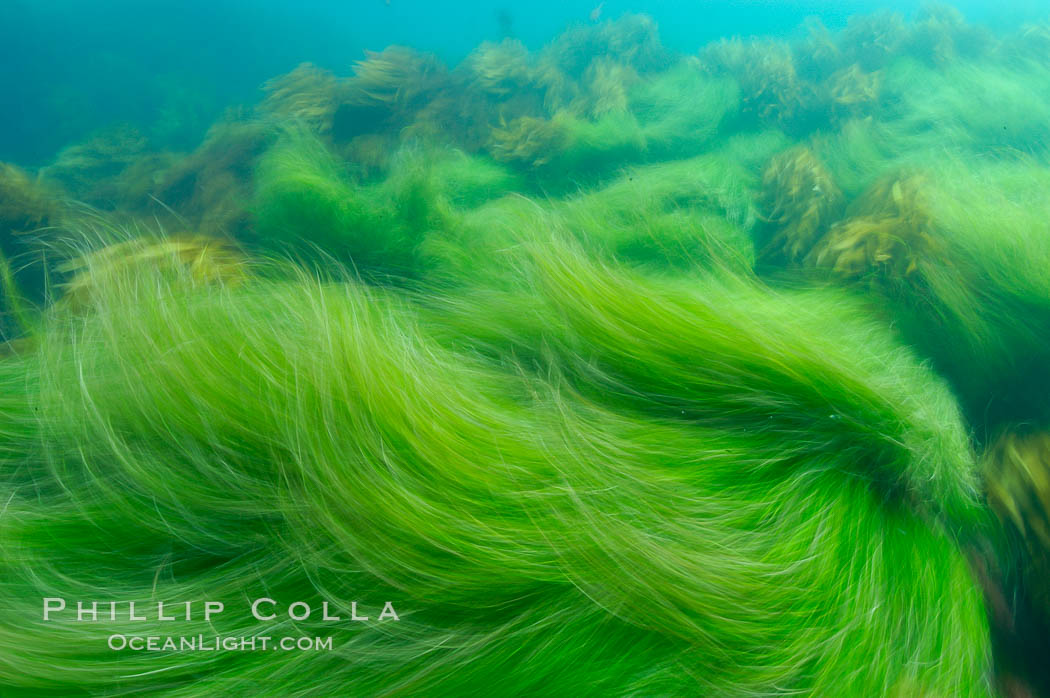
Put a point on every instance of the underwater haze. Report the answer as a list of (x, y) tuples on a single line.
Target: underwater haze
[(570, 349), (171, 67)]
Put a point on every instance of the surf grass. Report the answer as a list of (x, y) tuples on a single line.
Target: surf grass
[(710, 489), (306, 203)]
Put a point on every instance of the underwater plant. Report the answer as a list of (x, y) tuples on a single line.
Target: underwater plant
[(499, 69), (594, 148), (564, 149), (817, 55), (800, 201), (632, 39), (189, 259), (654, 362), (682, 217), (111, 171), (559, 89), (1015, 468), (978, 106), (465, 180), (1032, 40), (873, 40), (31, 211), (941, 35), (306, 203), (26, 203), (864, 150), (953, 255), (529, 141), (852, 91), (886, 231), (307, 94), (771, 90), (675, 217), (990, 293), (302, 198), (495, 83), (1016, 472), (783, 481), (388, 87), (606, 85), (616, 372), (397, 77), (210, 189), (682, 109)]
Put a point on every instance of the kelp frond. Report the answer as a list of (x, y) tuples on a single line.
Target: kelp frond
[(307, 94), (888, 231), (800, 202), (191, 260)]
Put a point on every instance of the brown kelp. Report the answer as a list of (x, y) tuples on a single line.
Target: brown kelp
[(633, 39), (109, 171), (800, 201), (28, 208), (210, 189), (886, 231), (771, 90), (307, 94), (387, 88), (192, 259), (1016, 467), (500, 70), (26, 204)]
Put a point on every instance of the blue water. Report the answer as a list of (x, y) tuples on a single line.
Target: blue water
[(171, 66)]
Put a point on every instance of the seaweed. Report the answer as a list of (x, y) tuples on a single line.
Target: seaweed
[(307, 94), (308, 438), (306, 203), (978, 106), (607, 83), (873, 40), (108, 171), (499, 70), (632, 39), (466, 180), (190, 260), (853, 91), (941, 35), (771, 90), (26, 203), (387, 89), (1032, 40), (886, 232), (688, 215), (529, 141), (682, 110), (818, 54), (956, 263), (209, 190), (479, 338), (31, 212), (800, 201), (1016, 471)]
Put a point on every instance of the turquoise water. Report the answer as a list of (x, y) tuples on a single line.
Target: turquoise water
[(170, 67)]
